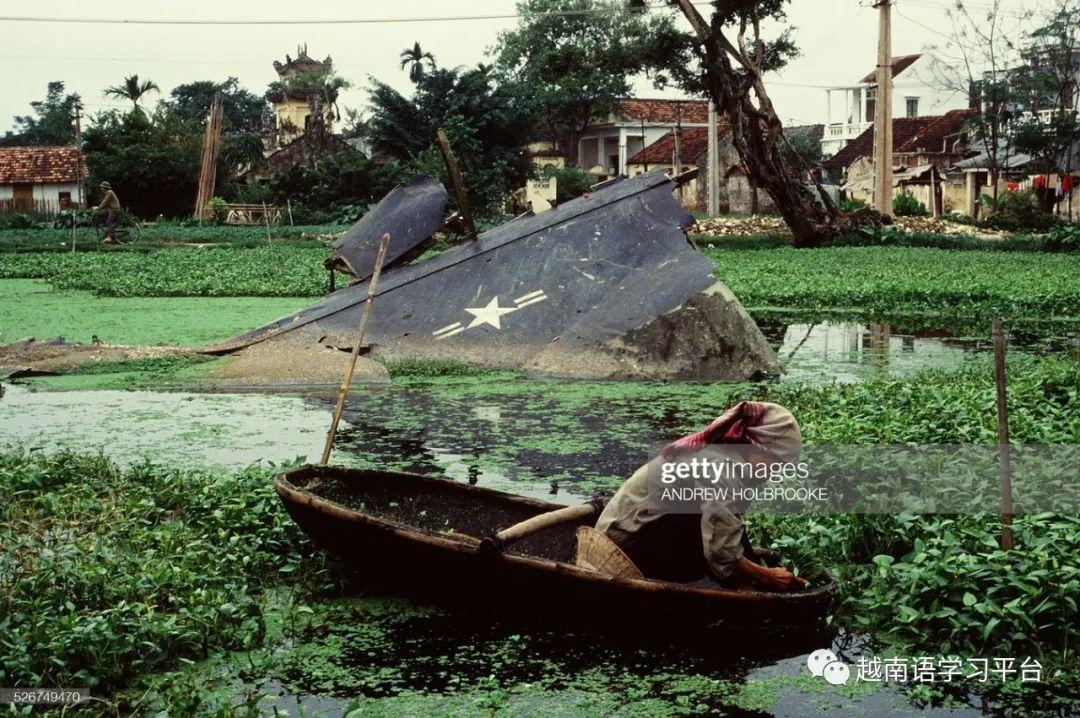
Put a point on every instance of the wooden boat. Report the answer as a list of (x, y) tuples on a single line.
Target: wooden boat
[(425, 534)]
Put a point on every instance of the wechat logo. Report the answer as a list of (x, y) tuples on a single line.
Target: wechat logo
[(823, 663)]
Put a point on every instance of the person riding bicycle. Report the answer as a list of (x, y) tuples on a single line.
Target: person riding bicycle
[(110, 204)]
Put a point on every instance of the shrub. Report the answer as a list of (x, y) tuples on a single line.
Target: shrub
[(1064, 238), (218, 209), (346, 213), (905, 205), (80, 218), (848, 206), (1018, 212), (570, 182), (20, 221)]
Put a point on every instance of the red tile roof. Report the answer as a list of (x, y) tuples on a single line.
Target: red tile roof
[(910, 134), (695, 141), (664, 111), (40, 165), (899, 64)]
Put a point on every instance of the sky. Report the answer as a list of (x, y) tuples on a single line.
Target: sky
[(837, 38)]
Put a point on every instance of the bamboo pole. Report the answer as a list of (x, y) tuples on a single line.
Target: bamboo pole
[(1003, 436), (343, 391), (208, 167)]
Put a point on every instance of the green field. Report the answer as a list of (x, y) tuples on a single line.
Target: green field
[(882, 280), (32, 309)]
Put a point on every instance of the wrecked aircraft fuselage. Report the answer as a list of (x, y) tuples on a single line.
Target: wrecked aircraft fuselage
[(602, 286)]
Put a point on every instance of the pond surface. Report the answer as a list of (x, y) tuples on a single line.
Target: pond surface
[(187, 429), (382, 656), (823, 351), (561, 440)]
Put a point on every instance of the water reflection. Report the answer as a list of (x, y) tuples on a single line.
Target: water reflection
[(849, 351)]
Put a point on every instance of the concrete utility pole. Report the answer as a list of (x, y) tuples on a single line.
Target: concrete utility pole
[(883, 131), (714, 165), (678, 146), (82, 199)]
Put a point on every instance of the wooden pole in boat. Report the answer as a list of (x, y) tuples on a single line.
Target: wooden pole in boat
[(1003, 436), (535, 524), (343, 391)]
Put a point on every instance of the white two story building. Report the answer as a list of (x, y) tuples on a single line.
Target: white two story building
[(850, 108)]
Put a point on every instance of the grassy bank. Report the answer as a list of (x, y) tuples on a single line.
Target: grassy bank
[(165, 235), (873, 281), (904, 280), (32, 309), (278, 271)]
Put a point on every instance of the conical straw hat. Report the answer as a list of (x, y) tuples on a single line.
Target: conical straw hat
[(597, 552)]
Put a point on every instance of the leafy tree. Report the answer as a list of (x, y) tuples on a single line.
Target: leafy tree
[(151, 160), (1049, 80), (242, 115), (488, 122), (577, 57), (802, 150), (356, 126), (53, 121), (132, 89), (345, 178), (734, 54), (570, 182), (416, 58), (241, 111), (979, 60)]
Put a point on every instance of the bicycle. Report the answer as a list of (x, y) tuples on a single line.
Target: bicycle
[(126, 229)]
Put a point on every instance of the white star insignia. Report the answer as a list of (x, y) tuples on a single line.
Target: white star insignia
[(489, 314)]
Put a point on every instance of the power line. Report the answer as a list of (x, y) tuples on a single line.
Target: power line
[(310, 21)]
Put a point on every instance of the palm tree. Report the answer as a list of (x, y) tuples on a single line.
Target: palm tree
[(132, 89), (415, 58)]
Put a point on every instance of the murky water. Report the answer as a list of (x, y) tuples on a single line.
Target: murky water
[(394, 659), (817, 352), (226, 430), (562, 440)]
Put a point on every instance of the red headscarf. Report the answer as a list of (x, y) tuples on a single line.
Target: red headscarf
[(770, 426)]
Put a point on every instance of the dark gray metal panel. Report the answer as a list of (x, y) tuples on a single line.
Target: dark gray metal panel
[(584, 272), (411, 214)]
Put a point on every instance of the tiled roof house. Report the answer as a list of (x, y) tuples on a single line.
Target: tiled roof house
[(40, 179)]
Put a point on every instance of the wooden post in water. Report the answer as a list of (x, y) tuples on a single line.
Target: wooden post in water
[(1003, 436), (343, 391)]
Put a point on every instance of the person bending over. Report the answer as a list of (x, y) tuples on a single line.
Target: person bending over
[(677, 546)]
